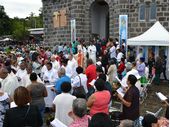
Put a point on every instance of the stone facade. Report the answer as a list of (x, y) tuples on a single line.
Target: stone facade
[(80, 10)]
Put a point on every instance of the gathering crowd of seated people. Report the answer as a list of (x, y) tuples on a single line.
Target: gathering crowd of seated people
[(84, 80)]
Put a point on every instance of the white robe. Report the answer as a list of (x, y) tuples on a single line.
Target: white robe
[(68, 71), (21, 73), (92, 53), (51, 76), (112, 52), (43, 70), (119, 56), (27, 81), (73, 65), (56, 65), (9, 84)]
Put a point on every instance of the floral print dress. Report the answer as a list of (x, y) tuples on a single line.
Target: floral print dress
[(4, 105)]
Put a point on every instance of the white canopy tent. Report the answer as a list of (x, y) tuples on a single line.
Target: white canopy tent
[(7, 39), (157, 35)]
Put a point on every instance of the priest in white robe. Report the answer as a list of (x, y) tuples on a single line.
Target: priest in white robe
[(26, 78), (92, 52), (72, 63), (9, 83), (50, 75), (55, 63), (21, 73)]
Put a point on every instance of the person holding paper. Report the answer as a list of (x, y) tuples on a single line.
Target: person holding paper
[(130, 100)]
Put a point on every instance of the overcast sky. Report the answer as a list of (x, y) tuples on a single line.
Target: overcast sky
[(21, 8)]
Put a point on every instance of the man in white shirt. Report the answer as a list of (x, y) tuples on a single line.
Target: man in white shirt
[(72, 63), (55, 63), (21, 73), (44, 68), (80, 79), (63, 104), (19, 57), (9, 83), (92, 52), (131, 70), (50, 75), (112, 51), (140, 54), (26, 78), (119, 55)]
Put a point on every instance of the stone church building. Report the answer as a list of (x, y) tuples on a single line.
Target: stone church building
[(100, 18)]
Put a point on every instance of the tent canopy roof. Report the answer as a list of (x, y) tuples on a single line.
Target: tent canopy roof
[(157, 35)]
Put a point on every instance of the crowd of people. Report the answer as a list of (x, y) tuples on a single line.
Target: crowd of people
[(83, 76)]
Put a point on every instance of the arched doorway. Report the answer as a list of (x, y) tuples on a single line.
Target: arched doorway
[(99, 14)]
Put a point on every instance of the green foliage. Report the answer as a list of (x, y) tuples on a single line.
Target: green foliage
[(18, 27), (5, 22), (19, 31)]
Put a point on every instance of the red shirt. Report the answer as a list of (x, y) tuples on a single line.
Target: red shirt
[(121, 68), (101, 103), (91, 74)]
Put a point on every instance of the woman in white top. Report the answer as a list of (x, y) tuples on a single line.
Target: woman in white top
[(80, 79)]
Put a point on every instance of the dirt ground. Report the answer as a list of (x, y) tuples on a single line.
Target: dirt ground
[(152, 102)]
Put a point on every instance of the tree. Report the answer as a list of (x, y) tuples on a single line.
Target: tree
[(19, 29), (36, 21), (5, 22)]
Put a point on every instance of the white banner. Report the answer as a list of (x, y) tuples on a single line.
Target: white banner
[(123, 28), (73, 30)]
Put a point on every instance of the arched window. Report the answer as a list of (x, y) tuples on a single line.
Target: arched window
[(152, 11), (142, 12)]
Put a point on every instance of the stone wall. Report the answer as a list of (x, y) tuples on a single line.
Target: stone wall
[(80, 10)]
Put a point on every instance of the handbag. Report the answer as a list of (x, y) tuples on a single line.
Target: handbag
[(79, 91), (25, 117)]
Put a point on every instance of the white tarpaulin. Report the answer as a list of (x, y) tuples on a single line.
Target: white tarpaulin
[(157, 35)]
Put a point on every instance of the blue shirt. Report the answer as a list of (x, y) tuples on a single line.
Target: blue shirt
[(60, 81), (141, 69)]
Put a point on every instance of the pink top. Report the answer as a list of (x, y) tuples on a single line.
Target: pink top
[(82, 122), (101, 103)]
